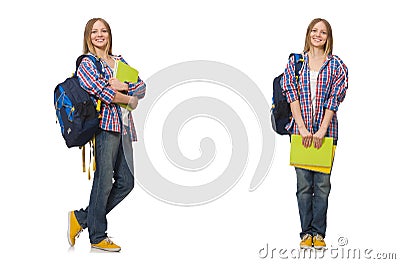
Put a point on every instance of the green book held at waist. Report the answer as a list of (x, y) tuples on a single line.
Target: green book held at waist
[(311, 156)]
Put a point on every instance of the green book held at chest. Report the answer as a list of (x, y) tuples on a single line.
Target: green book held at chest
[(311, 156), (125, 73)]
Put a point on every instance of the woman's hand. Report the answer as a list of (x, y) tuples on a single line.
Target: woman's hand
[(133, 102), (318, 137), (118, 85), (306, 136)]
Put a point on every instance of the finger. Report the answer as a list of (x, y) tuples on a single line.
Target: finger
[(318, 143), (307, 142)]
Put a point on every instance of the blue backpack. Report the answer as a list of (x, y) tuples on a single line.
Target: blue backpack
[(280, 110), (76, 112)]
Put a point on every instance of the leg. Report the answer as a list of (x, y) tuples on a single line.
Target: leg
[(123, 174), (322, 187), (305, 199), (107, 145)]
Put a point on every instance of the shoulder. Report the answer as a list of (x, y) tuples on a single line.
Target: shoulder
[(117, 57), (338, 62), (87, 60), (90, 64)]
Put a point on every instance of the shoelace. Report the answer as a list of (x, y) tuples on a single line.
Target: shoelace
[(79, 232), (319, 238), (108, 240), (306, 237)]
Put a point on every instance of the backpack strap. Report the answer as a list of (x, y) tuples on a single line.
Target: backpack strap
[(92, 157), (94, 59), (298, 63)]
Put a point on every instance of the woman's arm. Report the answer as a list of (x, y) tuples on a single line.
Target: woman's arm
[(91, 80), (326, 121), (131, 101), (305, 134)]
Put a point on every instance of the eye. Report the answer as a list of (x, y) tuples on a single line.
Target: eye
[(104, 31)]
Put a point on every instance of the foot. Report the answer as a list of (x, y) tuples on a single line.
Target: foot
[(74, 228), (107, 245), (306, 241), (319, 242)]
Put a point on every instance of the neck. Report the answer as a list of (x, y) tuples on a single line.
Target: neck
[(316, 52), (101, 53)]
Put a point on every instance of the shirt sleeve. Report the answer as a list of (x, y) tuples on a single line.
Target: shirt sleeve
[(339, 87), (93, 82), (288, 81), (138, 88)]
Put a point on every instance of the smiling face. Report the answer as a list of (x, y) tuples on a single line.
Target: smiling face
[(99, 35), (319, 35)]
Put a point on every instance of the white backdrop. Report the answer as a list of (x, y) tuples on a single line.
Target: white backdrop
[(41, 179)]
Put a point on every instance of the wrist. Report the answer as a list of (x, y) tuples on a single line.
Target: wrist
[(323, 128)]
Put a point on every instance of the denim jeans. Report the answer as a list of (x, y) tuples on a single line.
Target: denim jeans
[(114, 161), (312, 197)]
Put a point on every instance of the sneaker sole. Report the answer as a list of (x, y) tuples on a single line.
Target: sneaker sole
[(319, 247), (108, 249), (305, 247), (68, 231)]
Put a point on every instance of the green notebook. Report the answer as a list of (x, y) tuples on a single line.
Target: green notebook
[(125, 73), (311, 156)]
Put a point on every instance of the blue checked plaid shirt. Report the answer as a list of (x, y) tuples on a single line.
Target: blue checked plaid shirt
[(97, 85), (332, 84)]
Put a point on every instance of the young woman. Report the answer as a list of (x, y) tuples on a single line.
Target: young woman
[(322, 87), (113, 178)]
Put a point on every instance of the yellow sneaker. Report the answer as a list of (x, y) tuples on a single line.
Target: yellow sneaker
[(74, 228), (306, 241), (319, 242), (107, 245)]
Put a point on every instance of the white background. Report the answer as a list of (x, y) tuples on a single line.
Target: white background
[(41, 179)]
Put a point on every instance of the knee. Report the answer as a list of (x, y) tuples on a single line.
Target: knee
[(323, 188), (128, 185), (131, 185), (125, 185), (304, 190)]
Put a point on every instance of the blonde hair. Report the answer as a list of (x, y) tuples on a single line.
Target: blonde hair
[(87, 42), (329, 41)]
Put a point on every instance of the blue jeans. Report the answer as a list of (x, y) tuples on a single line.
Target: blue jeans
[(312, 198), (114, 160)]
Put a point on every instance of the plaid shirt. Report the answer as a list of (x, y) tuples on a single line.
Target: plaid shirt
[(332, 84), (96, 84)]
